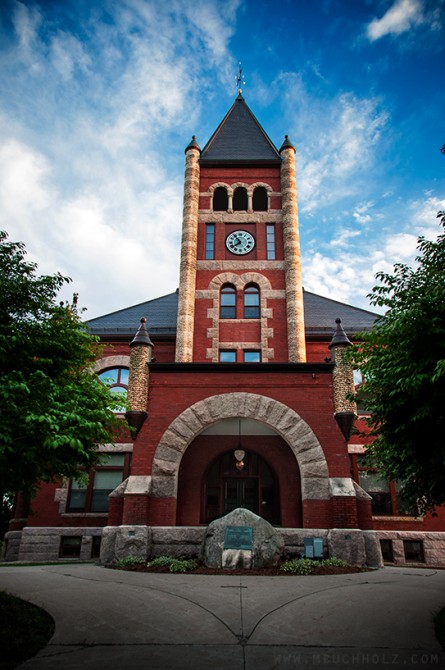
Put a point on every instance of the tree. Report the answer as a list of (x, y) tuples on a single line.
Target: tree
[(402, 361), (53, 410)]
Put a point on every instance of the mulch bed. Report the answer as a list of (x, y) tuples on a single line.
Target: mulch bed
[(257, 572)]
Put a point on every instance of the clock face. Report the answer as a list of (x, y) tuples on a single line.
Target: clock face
[(240, 242)]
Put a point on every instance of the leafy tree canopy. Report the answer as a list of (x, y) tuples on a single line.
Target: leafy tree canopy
[(53, 411), (402, 361)]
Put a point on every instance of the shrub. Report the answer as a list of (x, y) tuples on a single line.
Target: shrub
[(174, 564), (128, 561), (160, 562), (299, 566), (334, 562), (305, 566)]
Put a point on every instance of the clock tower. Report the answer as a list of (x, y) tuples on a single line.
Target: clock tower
[(240, 290)]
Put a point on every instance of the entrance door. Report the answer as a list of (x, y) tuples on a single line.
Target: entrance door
[(254, 487), (240, 492)]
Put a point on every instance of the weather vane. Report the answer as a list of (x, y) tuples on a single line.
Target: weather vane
[(240, 79)]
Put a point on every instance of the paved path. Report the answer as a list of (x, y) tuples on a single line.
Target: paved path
[(115, 620)]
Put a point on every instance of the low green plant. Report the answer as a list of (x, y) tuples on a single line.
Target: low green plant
[(174, 564), (160, 562), (306, 566), (128, 561), (334, 562), (299, 566)]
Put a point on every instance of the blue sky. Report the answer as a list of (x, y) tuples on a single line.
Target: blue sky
[(99, 98)]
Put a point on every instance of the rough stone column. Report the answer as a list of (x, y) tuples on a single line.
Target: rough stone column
[(187, 274), (141, 353), (292, 258), (343, 381)]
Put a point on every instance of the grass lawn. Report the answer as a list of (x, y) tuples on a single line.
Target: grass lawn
[(25, 629)]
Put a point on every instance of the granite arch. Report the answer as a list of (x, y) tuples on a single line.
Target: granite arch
[(285, 421)]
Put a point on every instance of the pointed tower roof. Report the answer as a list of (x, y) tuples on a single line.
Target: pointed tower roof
[(142, 337), (339, 339), (239, 138)]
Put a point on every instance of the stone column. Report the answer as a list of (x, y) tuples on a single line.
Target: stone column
[(187, 274), (141, 353), (292, 258), (343, 381)]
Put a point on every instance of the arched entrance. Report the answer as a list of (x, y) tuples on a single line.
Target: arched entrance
[(177, 452), (238, 463), (249, 482)]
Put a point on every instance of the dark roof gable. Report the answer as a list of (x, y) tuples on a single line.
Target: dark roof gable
[(239, 138), (319, 312)]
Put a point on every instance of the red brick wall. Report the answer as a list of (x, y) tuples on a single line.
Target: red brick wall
[(317, 514), (364, 514), (45, 512), (163, 351), (163, 512), (136, 510), (309, 394), (241, 332), (115, 511), (344, 510), (231, 175)]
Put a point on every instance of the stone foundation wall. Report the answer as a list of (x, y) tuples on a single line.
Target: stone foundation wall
[(433, 544), (43, 544), (355, 546)]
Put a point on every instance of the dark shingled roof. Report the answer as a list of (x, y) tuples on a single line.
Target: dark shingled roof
[(159, 312), (239, 138), (320, 314)]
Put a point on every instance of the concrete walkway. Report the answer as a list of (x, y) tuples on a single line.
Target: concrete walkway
[(116, 620)]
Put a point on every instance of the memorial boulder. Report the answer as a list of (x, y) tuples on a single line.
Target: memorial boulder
[(242, 539)]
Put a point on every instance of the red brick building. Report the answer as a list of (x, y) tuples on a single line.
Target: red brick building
[(236, 390)]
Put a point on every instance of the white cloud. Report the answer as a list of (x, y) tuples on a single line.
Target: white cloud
[(67, 54), (338, 278), (351, 274), (26, 21), (339, 150), (361, 213), (401, 246), (89, 177), (400, 17), (344, 237), (23, 173)]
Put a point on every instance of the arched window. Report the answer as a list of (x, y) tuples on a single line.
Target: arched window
[(260, 199), (117, 380), (220, 200), (240, 199), (251, 302), (228, 302)]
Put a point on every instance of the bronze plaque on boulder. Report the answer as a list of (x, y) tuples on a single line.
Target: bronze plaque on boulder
[(238, 537)]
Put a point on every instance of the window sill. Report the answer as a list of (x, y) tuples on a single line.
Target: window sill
[(84, 514), (391, 517)]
